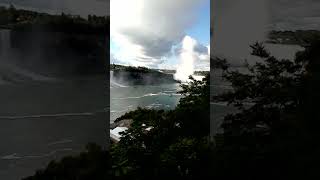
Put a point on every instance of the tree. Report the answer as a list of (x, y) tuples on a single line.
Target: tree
[(173, 148), (92, 164), (177, 145), (273, 132)]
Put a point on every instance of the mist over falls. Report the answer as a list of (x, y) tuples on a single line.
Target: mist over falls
[(43, 56), (10, 70), (41, 102), (5, 43)]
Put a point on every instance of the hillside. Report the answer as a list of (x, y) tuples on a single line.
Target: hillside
[(59, 45), (299, 37), (140, 75)]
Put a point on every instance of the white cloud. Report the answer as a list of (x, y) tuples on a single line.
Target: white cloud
[(147, 30)]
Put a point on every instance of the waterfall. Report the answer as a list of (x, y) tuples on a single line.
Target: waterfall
[(5, 43), (10, 69)]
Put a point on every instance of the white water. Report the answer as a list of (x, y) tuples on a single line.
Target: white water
[(10, 70), (187, 60), (44, 121), (5, 43), (125, 99), (17, 156), (113, 83)]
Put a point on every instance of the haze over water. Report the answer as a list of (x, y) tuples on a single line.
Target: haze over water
[(125, 98), (43, 117)]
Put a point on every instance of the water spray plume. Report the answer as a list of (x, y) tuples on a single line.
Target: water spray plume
[(187, 59)]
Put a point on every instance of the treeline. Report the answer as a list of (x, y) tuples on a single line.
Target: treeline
[(140, 69), (140, 75), (148, 70), (202, 73), (19, 19), (299, 37)]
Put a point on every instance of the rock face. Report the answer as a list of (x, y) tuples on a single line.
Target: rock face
[(122, 123), (118, 126)]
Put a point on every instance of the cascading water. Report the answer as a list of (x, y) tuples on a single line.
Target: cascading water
[(10, 70), (113, 83), (5, 43)]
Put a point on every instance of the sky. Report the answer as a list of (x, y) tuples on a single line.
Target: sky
[(152, 33), (295, 14), (239, 24), (158, 42)]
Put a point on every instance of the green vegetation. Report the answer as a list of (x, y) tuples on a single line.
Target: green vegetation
[(143, 75), (116, 67), (92, 164), (201, 73), (140, 75), (25, 20), (275, 137), (153, 154)]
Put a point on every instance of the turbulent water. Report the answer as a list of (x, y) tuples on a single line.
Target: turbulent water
[(126, 98), (43, 118)]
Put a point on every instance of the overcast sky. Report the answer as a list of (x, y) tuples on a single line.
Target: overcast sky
[(158, 40), (295, 14), (238, 24)]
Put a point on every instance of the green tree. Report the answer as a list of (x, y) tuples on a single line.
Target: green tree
[(176, 147), (273, 134)]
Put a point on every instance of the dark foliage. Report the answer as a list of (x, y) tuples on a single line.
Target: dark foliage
[(92, 164), (273, 135), (24, 20)]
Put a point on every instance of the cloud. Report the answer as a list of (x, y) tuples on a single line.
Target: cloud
[(147, 30), (295, 14)]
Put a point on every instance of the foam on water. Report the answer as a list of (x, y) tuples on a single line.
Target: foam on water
[(48, 115), (149, 95), (63, 141), (16, 156)]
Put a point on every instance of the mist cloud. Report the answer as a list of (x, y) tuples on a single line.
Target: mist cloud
[(146, 30)]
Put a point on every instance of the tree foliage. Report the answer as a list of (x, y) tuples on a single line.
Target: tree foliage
[(176, 144), (273, 135), (275, 130), (91, 164)]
